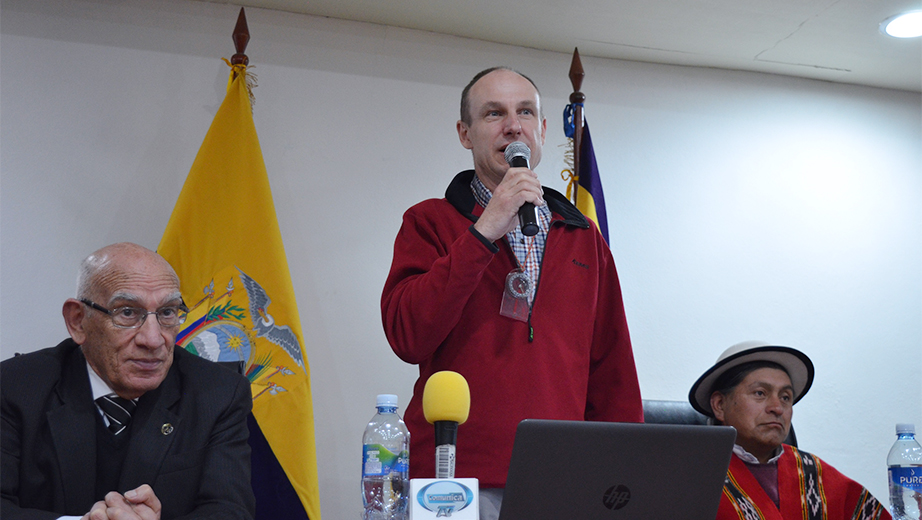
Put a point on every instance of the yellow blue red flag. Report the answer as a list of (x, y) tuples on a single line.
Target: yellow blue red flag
[(590, 199), (224, 242)]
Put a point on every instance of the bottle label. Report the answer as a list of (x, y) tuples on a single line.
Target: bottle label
[(378, 461), (908, 478)]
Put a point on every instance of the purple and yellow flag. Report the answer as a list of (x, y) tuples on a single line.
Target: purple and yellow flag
[(224, 242), (590, 199)]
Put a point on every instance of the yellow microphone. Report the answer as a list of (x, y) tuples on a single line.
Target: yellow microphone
[(446, 404)]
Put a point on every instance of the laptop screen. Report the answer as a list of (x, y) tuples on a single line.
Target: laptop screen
[(616, 471)]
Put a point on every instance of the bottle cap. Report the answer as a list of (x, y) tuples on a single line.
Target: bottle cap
[(389, 400), (905, 428)]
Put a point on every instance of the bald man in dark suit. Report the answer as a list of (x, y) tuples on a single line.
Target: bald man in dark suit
[(181, 453)]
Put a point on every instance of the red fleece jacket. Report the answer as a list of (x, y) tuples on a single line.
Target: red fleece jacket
[(440, 308)]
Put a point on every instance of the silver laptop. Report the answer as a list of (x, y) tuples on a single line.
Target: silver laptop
[(580, 470)]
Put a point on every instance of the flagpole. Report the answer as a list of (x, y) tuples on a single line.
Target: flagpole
[(576, 99), (241, 39)]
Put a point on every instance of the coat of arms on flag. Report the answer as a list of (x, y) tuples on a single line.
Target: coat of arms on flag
[(226, 327)]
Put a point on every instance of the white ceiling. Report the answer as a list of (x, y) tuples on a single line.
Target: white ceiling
[(833, 40)]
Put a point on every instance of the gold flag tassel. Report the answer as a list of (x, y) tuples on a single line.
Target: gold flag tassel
[(250, 78), (567, 173)]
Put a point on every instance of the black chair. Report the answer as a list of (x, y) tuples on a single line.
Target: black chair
[(681, 412), (671, 412)]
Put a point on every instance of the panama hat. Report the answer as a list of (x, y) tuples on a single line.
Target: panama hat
[(796, 363)]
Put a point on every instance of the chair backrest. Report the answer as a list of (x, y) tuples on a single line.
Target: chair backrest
[(681, 412), (236, 366), (671, 412)]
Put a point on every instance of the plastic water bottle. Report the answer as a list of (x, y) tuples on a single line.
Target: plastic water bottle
[(386, 463), (905, 469)]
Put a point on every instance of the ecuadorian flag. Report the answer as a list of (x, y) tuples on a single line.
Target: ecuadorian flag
[(223, 240)]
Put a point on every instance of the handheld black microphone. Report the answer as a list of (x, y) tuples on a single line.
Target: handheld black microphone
[(517, 155)]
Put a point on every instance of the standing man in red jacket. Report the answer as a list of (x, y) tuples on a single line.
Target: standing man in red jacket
[(534, 323)]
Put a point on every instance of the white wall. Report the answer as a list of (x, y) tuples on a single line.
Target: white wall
[(741, 206)]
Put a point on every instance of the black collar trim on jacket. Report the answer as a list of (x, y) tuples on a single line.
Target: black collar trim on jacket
[(460, 196)]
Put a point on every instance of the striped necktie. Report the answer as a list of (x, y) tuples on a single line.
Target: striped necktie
[(117, 410)]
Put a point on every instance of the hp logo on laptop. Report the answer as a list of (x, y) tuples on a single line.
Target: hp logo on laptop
[(617, 497)]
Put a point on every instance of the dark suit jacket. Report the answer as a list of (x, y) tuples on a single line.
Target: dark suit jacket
[(188, 438)]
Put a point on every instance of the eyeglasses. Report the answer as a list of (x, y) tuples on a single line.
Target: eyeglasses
[(133, 317)]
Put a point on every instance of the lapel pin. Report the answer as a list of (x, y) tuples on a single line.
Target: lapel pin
[(166, 429)]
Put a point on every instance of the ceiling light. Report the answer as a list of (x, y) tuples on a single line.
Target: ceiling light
[(906, 25)]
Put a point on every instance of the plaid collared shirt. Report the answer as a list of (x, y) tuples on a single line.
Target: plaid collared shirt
[(528, 250)]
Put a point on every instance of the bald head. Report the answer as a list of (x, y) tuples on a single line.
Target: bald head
[(466, 117), (101, 267)]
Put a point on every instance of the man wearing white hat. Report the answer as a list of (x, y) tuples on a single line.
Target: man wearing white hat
[(753, 388)]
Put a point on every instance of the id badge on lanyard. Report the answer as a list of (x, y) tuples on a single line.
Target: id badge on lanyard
[(519, 289)]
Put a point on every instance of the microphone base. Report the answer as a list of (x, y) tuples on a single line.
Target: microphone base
[(436, 499), (530, 230), (528, 219)]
